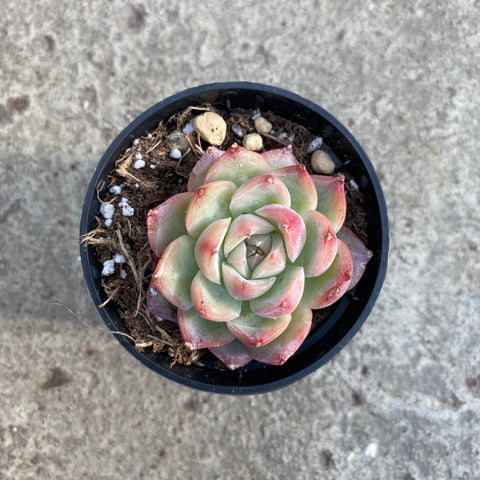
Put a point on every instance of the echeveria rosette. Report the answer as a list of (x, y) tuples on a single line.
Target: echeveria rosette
[(248, 251)]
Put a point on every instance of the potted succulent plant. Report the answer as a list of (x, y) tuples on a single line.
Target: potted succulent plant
[(250, 254)]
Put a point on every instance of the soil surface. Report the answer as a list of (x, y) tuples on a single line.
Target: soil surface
[(146, 175)]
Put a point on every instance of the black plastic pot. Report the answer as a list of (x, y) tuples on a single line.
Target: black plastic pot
[(350, 312)]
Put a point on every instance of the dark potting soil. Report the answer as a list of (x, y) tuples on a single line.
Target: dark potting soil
[(160, 178)]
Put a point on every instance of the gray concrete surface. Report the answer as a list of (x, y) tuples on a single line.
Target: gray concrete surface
[(402, 401)]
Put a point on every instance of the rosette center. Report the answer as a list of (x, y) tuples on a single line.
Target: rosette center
[(258, 246)]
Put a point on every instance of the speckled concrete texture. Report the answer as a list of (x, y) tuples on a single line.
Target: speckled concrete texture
[(402, 400)]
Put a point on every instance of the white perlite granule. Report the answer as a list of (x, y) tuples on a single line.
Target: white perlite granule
[(354, 184), (127, 210), (119, 258), (139, 164), (176, 153), (108, 268), (117, 189), (108, 222), (315, 144), (107, 209), (238, 130), (188, 128), (123, 274)]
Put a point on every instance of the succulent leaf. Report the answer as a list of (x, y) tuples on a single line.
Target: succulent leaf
[(283, 297), (234, 354), (259, 191), (199, 171), (322, 291), (244, 226), (209, 203), (360, 254), (237, 165), (257, 247), (320, 246), (159, 306), (241, 288), (280, 157), (278, 351), (275, 260), (300, 185), (197, 332), (176, 270), (291, 226), (167, 221), (331, 198), (208, 251), (256, 331), (212, 301), (237, 258)]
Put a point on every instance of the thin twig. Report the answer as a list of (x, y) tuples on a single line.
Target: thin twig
[(89, 326)]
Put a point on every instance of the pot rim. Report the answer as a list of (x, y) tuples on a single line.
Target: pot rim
[(131, 132)]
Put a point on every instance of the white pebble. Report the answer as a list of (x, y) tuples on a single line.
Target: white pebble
[(123, 273), (211, 127), (138, 156), (137, 185), (253, 141), (315, 144), (322, 162), (119, 258), (371, 450), (152, 166), (107, 209), (108, 222), (139, 164), (262, 125), (136, 141), (354, 184), (175, 153), (108, 268)]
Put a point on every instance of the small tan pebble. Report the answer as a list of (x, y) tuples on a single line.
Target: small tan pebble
[(211, 127), (253, 141), (322, 162), (176, 140), (262, 125)]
